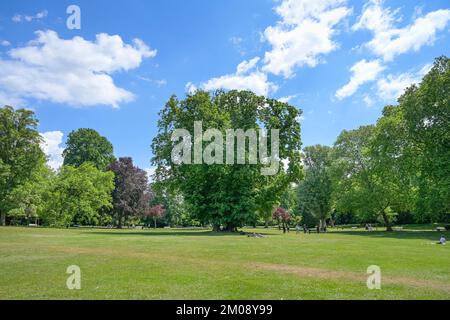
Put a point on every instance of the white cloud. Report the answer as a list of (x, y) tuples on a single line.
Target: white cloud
[(51, 146), (5, 43), (76, 72), (393, 86), (362, 72), (287, 98), (303, 35), (29, 18), (190, 88), (246, 66), (389, 41), (247, 77)]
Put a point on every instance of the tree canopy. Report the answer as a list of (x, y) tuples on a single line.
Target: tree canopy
[(87, 145), (20, 153), (228, 194)]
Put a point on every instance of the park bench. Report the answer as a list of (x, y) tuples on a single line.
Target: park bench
[(440, 229)]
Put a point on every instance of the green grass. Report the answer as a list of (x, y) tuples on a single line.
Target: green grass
[(199, 264)]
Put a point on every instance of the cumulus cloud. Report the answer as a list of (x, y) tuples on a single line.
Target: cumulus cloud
[(362, 72), (246, 77), (389, 41), (393, 86), (76, 72), (51, 146), (303, 35), (5, 43), (29, 18)]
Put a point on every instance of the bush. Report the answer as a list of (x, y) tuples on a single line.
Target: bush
[(447, 227)]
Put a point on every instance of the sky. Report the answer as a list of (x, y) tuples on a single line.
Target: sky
[(340, 61)]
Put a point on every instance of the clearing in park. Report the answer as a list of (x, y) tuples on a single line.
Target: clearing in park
[(200, 264)]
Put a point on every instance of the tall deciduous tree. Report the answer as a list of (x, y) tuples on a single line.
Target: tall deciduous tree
[(426, 111), (361, 183), (228, 194), (20, 153), (315, 191), (130, 192), (87, 145)]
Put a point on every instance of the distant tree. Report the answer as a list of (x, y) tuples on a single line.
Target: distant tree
[(20, 153), (87, 145), (77, 195), (282, 217), (155, 213), (131, 187), (315, 191), (362, 184)]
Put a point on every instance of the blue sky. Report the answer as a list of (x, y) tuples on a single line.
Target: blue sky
[(339, 61)]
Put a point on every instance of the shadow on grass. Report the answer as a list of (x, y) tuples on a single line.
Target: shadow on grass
[(420, 235), (193, 233)]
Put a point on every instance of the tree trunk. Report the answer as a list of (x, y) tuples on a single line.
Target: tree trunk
[(154, 221), (230, 228), (386, 221), (119, 222), (2, 219)]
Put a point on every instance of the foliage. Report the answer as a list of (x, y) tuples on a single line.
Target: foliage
[(155, 212), (131, 195), (228, 195), (87, 145), (25, 202), (20, 153), (315, 191), (77, 196)]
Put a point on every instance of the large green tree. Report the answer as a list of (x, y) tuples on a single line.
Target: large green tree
[(426, 111), (87, 145), (20, 154), (315, 191), (78, 195), (365, 179), (228, 194)]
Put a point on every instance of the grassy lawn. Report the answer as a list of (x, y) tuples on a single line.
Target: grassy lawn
[(199, 264)]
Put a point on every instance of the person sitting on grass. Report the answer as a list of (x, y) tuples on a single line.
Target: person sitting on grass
[(442, 240)]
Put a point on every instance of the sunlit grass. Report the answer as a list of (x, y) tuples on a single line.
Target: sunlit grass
[(199, 264)]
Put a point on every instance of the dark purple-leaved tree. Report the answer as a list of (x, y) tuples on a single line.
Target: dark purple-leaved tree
[(130, 196)]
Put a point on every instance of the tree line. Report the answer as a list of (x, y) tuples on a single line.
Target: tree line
[(396, 170)]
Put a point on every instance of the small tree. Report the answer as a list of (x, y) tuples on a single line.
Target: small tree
[(282, 217), (155, 212)]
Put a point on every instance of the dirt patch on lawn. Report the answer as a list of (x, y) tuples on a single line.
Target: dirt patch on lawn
[(327, 274)]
